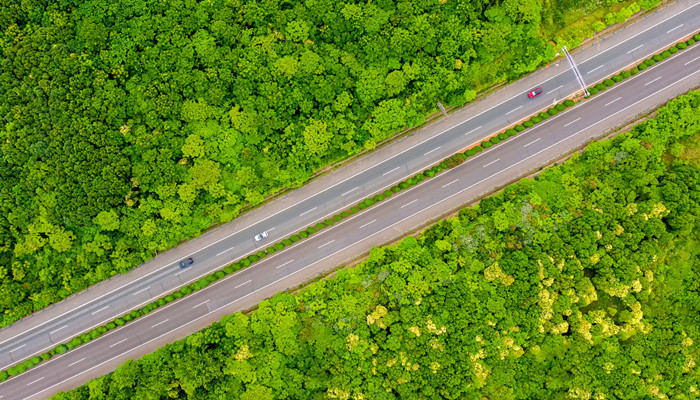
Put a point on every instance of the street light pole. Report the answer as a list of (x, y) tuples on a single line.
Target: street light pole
[(579, 77)]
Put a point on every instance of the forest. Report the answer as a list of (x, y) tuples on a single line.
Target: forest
[(130, 126), (582, 283)]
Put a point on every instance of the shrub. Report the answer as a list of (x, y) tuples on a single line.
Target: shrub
[(696, 36), (186, 289), (543, 115), (649, 62), (261, 254), (245, 263), (486, 145), (270, 250), (395, 189), (296, 238), (420, 178), (634, 71), (403, 185), (429, 173), (287, 242), (119, 321), (47, 356), (279, 246), (470, 152), (219, 274), (161, 301), (495, 140), (168, 299), (673, 49), (303, 234), (625, 74), (569, 103), (503, 136), (478, 149), (560, 107), (319, 226), (228, 269), (253, 258), (642, 67), (135, 314), (617, 78), (666, 54), (657, 57), (690, 42), (378, 198), (552, 111), (4, 376), (202, 283), (536, 119), (601, 87), (61, 349), (443, 164), (511, 132), (368, 203), (311, 230), (35, 360), (681, 45)]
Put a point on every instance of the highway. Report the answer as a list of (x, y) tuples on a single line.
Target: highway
[(376, 225)]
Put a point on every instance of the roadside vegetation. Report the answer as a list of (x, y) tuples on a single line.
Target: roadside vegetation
[(131, 126), (580, 283)]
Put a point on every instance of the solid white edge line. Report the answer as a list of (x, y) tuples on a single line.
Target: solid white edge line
[(350, 177), (282, 265), (408, 204), (388, 172), (572, 122), (244, 283), (658, 23), (161, 322), (362, 226), (119, 342), (361, 240), (72, 364)]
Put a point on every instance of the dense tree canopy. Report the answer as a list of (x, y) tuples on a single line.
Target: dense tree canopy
[(581, 284), (128, 126)]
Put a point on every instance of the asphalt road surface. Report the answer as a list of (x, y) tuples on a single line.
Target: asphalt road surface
[(375, 225)]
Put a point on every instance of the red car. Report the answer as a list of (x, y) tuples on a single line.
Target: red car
[(534, 92)]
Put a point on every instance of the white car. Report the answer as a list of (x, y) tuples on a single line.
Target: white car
[(260, 236)]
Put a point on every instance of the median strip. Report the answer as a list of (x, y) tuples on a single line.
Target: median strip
[(245, 262)]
